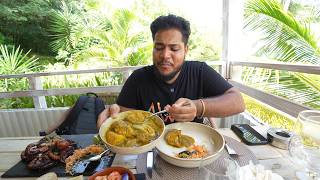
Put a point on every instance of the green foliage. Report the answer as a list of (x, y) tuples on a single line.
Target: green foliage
[(284, 39), (305, 13), (267, 114), (25, 22), (14, 61), (118, 37), (22, 21), (60, 27), (2, 38), (202, 49), (118, 42)]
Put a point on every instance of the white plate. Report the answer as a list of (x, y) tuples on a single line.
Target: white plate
[(202, 134)]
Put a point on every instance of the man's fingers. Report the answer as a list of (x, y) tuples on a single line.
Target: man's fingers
[(181, 102), (113, 110), (181, 110), (102, 117), (183, 117)]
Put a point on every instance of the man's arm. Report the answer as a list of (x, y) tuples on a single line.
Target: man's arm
[(227, 104)]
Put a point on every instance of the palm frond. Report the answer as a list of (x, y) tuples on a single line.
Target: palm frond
[(62, 28), (285, 38), (16, 61)]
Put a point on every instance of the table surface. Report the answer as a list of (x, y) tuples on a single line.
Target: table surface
[(271, 157)]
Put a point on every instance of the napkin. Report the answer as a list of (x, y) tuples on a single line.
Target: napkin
[(252, 172)]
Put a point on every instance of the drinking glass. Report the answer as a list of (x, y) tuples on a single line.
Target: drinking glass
[(231, 169), (304, 148)]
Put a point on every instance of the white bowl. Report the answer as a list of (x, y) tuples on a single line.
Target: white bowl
[(128, 150), (202, 134)]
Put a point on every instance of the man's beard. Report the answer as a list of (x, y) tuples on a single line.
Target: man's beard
[(167, 77)]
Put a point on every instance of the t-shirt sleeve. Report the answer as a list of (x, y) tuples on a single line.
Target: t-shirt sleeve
[(214, 84), (128, 94)]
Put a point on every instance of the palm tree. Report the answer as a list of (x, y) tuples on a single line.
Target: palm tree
[(15, 61), (122, 44), (288, 40), (61, 29)]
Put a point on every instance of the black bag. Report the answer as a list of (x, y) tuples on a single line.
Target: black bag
[(82, 118)]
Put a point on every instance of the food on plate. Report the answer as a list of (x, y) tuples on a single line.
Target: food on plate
[(47, 152), (41, 161), (48, 176), (133, 130), (79, 154), (176, 139), (80, 177), (114, 175), (193, 151)]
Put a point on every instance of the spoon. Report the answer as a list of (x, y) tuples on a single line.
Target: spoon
[(153, 114), (163, 111), (160, 112), (97, 157)]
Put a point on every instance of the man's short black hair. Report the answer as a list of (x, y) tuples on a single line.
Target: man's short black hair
[(171, 22)]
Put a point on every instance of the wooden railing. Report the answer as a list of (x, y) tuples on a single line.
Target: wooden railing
[(38, 93), (278, 103)]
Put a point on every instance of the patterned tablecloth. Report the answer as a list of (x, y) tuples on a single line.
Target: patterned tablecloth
[(170, 171)]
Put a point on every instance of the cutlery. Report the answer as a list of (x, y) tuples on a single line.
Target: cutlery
[(230, 151), (97, 157), (153, 114), (80, 166), (149, 163), (163, 111)]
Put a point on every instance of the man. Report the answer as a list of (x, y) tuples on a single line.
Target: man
[(188, 90)]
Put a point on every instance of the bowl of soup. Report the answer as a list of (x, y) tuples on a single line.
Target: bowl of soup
[(132, 132)]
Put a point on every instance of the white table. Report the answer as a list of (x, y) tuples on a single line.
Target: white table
[(269, 156)]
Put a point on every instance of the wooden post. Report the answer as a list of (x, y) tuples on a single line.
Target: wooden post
[(126, 75), (36, 84), (225, 39)]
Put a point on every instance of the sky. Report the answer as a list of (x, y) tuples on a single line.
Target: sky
[(203, 13)]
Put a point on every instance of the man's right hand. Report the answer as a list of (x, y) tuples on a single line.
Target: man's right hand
[(110, 111)]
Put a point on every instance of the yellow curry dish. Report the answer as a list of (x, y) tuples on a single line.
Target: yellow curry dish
[(176, 139), (133, 129)]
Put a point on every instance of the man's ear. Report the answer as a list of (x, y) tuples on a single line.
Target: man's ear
[(186, 49)]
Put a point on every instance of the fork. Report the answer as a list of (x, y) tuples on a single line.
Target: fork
[(153, 114)]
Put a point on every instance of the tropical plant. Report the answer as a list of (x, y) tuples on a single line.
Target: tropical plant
[(15, 61), (123, 44), (61, 29), (24, 23), (283, 39)]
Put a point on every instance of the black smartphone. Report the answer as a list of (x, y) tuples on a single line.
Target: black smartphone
[(248, 135)]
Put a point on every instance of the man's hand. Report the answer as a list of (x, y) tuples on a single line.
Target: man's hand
[(182, 110), (110, 111)]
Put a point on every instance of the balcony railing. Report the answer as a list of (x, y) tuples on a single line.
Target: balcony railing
[(38, 93), (279, 103)]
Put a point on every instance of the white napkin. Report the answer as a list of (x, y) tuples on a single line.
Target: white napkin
[(252, 172)]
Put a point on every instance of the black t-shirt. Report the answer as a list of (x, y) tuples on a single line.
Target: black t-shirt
[(144, 91)]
